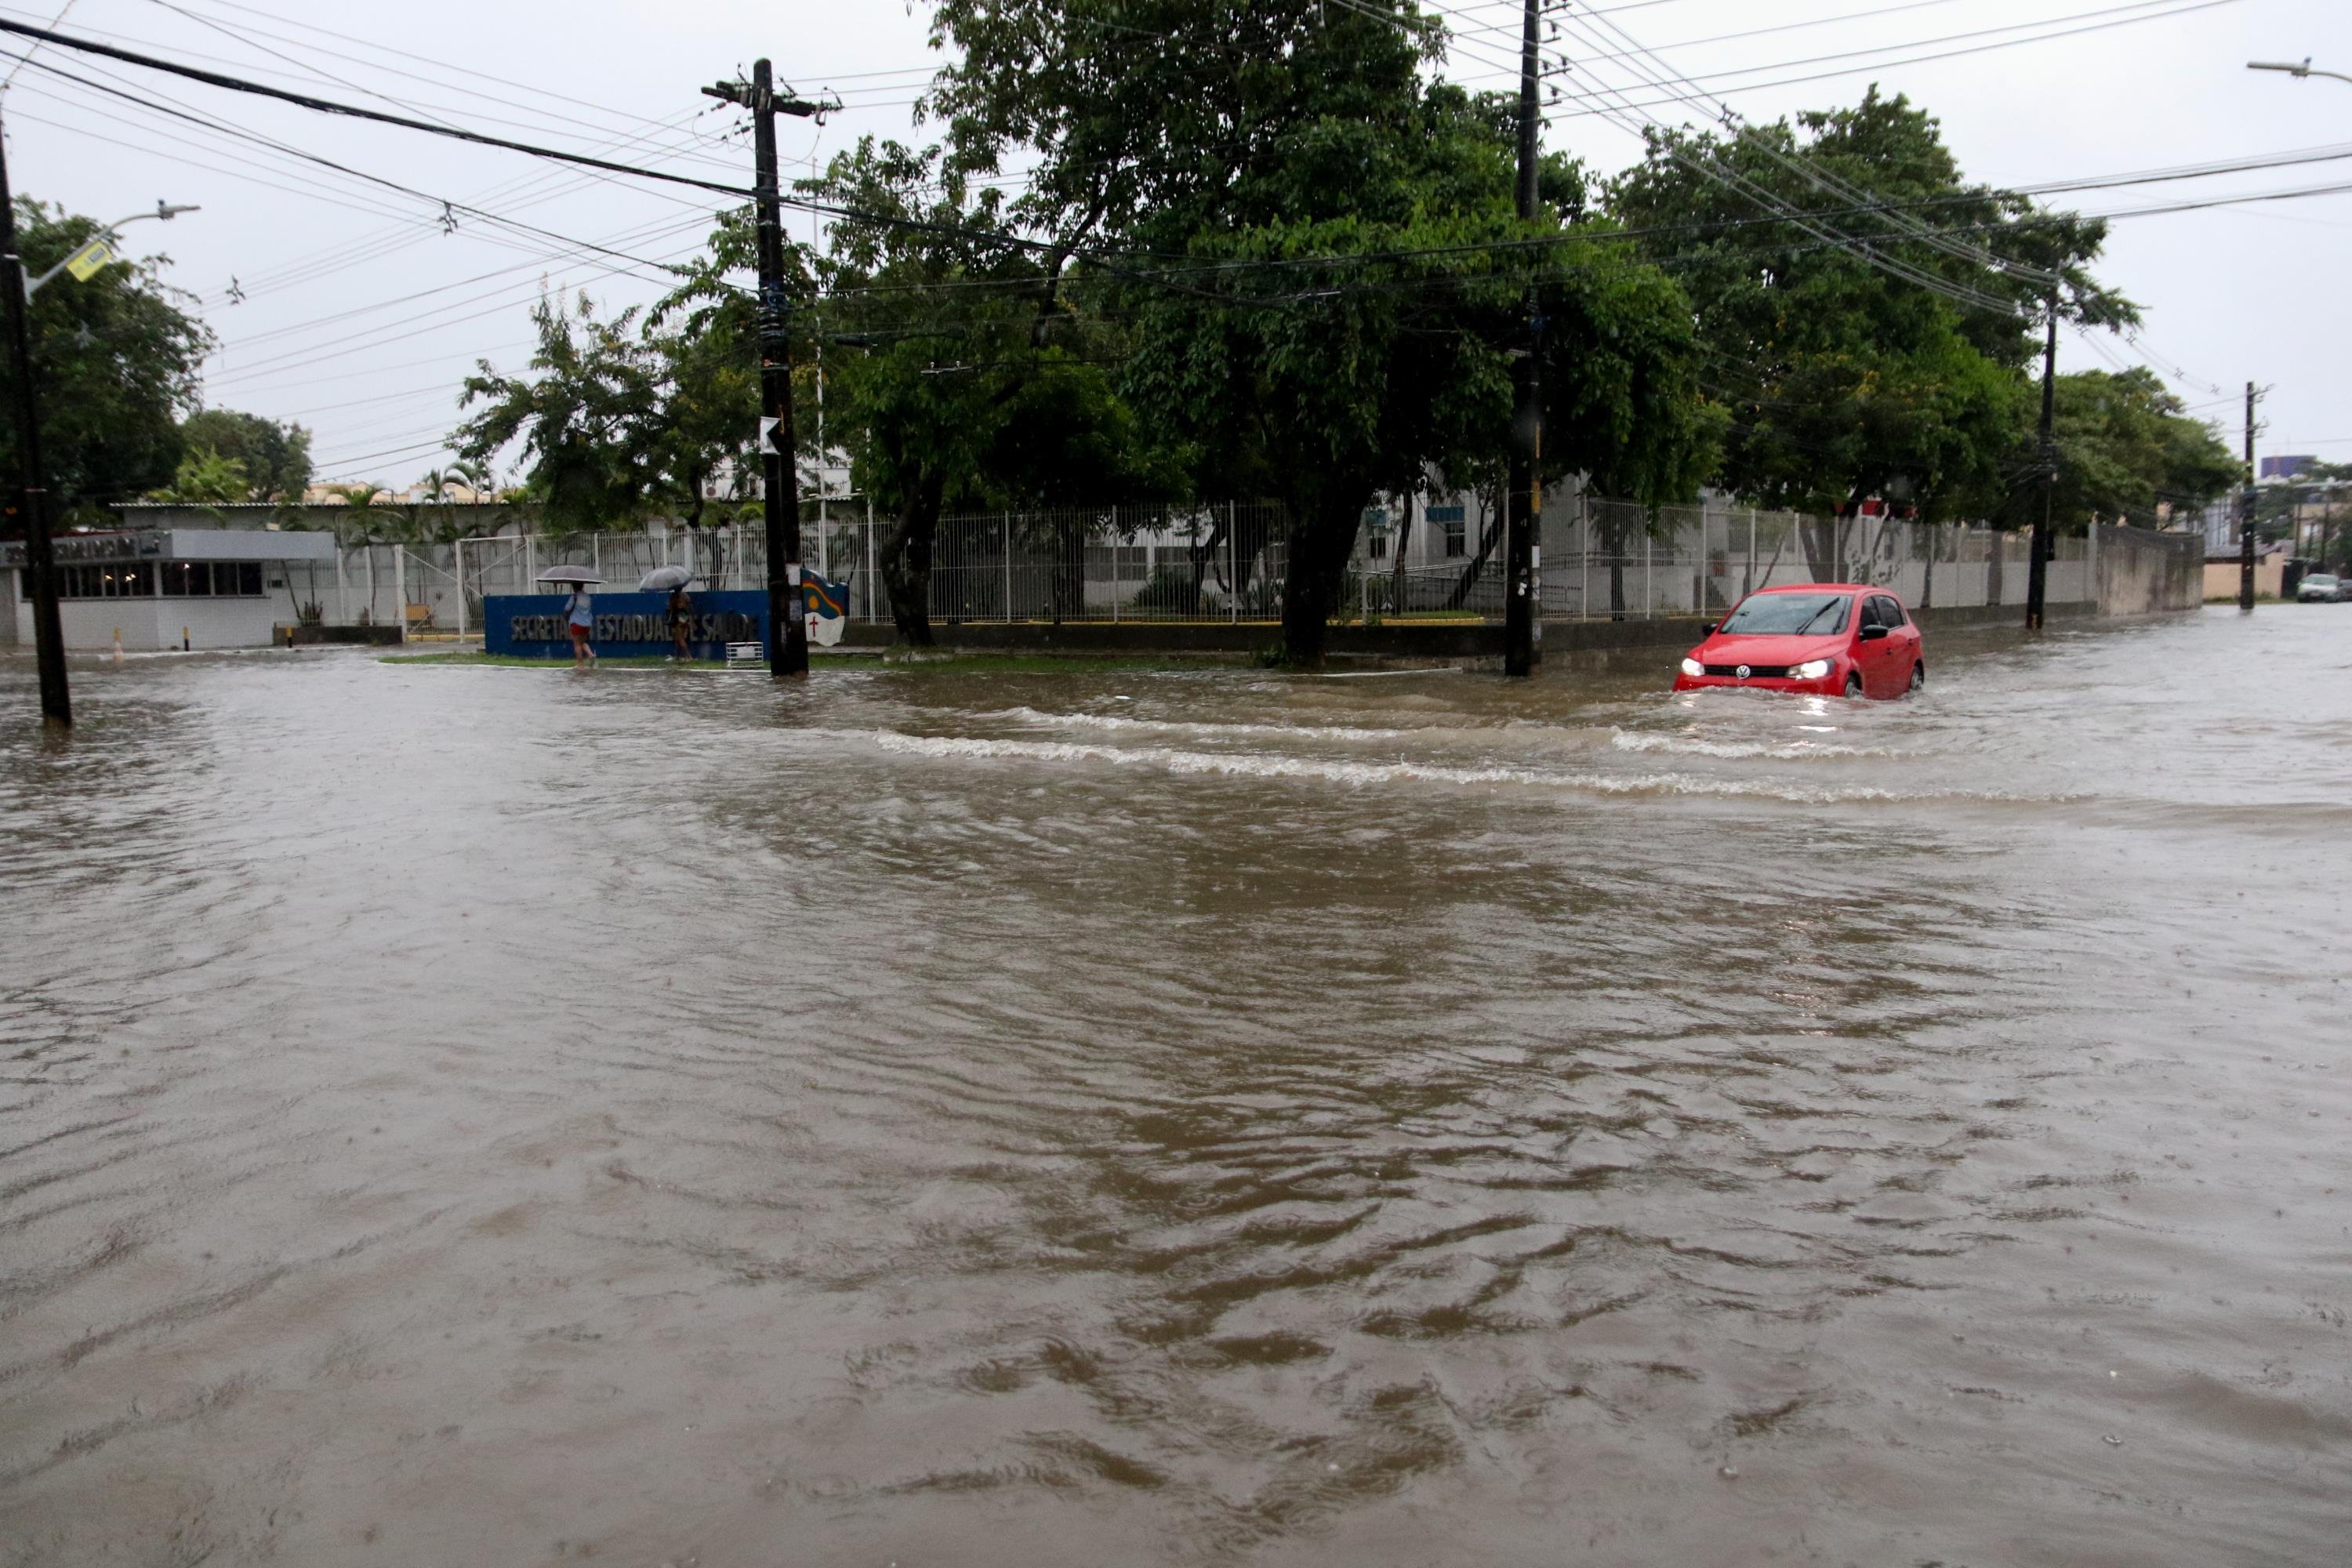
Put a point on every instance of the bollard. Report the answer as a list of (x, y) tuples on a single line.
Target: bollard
[(183, 639), (118, 645)]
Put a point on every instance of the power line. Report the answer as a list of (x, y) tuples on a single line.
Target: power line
[(328, 106), (446, 204), (1672, 98)]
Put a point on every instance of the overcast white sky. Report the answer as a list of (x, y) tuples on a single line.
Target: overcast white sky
[(359, 315)]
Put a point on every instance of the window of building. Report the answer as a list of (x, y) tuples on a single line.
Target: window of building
[(212, 579), (119, 580), (1452, 528), (145, 579)]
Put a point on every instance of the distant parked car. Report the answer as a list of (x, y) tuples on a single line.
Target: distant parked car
[(2319, 588), (1834, 638)]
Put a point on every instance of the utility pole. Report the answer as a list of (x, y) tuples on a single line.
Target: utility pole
[(2037, 571), (2246, 526), (1523, 556), (32, 492), (787, 631)]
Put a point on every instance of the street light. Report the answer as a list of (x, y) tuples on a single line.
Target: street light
[(162, 211), (2292, 70)]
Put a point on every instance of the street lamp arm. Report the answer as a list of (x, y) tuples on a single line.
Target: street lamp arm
[(2306, 68), (162, 211)]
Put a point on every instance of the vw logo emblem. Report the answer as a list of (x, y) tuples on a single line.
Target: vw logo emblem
[(1742, 672)]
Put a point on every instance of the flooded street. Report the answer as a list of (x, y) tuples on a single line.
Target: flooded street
[(462, 1115)]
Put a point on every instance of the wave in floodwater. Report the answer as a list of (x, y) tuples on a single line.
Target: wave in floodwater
[(1240, 764), (1205, 728), (1777, 750)]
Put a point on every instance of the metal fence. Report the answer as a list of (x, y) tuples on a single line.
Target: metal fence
[(1600, 559)]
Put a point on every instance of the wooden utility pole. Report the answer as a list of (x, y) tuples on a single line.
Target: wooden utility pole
[(1523, 555), (780, 493), (2037, 571), (32, 491), (2246, 525)]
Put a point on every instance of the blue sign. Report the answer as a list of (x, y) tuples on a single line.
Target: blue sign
[(628, 626)]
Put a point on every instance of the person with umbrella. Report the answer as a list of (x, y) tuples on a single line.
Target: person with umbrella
[(674, 580), (579, 615)]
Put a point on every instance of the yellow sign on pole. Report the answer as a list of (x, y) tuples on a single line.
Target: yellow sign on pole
[(89, 259)]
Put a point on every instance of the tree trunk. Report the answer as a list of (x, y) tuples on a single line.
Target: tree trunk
[(905, 563), (1820, 537), (1204, 553), (1322, 533), (1489, 536), (1613, 543)]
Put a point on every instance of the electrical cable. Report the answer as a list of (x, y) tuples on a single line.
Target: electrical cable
[(446, 204)]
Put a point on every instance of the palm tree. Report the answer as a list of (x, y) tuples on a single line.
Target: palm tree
[(358, 525)]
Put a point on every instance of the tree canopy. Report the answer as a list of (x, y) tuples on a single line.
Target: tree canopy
[(227, 456), (954, 375), (1316, 256), (2126, 453), (116, 356), (617, 417), (1894, 366)]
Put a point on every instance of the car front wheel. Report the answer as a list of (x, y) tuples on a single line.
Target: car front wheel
[(1854, 683), (1918, 674)]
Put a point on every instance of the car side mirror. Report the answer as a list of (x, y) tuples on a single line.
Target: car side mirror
[(1872, 634), (1708, 630)]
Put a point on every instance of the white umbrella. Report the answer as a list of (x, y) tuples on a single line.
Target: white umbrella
[(662, 579), (570, 575)]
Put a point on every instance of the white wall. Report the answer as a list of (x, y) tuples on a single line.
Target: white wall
[(150, 624)]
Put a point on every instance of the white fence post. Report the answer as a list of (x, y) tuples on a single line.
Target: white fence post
[(343, 587), (1008, 568), (459, 550), (400, 589)]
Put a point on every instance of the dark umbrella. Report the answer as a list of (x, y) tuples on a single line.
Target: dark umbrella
[(662, 579), (570, 575)]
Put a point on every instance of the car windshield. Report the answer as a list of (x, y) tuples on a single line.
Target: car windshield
[(1789, 615), (2320, 580)]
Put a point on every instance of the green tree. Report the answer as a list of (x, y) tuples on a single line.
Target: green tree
[(116, 356), (628, 417), (2125, 452), (207, 478), (1857, 355), (954, 376), (588, 417), (274, 455), (1319, 256)]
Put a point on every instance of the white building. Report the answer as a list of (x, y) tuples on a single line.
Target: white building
[(173, 587)]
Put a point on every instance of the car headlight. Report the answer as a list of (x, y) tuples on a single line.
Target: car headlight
[(1693, 666), (1811, 670)]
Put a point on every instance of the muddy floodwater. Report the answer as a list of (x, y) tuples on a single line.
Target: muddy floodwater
[(467, 1115)]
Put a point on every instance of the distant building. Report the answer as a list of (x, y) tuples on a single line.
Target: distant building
[(173, 587), (2283, 468)]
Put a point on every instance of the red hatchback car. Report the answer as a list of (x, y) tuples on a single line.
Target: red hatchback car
[(1835, 638)]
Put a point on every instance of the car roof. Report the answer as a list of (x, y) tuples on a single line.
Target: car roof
[(1823, 588)]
